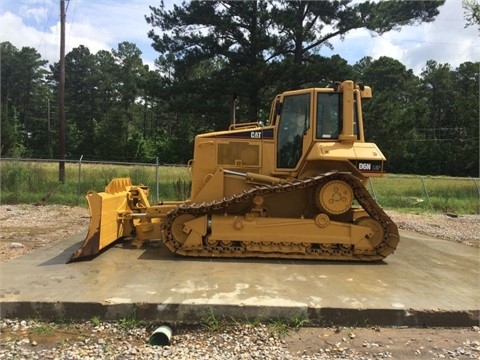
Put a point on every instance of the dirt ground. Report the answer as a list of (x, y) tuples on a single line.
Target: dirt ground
[(25, 228), (380, 343)]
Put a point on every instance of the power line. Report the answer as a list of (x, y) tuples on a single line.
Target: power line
[(72, 17), (463, 140)]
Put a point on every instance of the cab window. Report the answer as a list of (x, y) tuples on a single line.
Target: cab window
[(329, 124), (294, 122)]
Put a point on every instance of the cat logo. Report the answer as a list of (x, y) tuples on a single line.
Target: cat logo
[(256, 135)]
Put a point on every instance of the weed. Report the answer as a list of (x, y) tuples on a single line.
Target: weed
[(130, 322), (96, 320), (66, 323), (44, 328), (280, 327), (298, 321), (211, 322)]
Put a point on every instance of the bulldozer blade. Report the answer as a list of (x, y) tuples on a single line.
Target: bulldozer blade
[(104, 228)]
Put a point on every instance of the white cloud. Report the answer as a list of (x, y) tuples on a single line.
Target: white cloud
[(36, 14), (14, 30), (99, 25), (444, 40), (95, 38), (384, 46)]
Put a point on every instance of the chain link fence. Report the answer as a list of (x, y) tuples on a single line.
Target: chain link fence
[(427, 193), (172, 182)]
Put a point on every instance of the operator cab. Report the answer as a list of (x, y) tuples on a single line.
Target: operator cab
[(316, 115)]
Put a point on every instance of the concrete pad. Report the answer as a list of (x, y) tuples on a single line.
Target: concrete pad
[(426, 282)]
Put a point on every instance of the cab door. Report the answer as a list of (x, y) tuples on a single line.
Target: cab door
[(293, 129)]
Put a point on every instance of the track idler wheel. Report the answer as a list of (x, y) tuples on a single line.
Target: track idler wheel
[(377, 229), (335, 197), (178, 230)]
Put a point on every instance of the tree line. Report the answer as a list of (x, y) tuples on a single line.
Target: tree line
[(219, 58)]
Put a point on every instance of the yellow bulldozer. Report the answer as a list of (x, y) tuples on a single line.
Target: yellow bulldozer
[(294, 188)]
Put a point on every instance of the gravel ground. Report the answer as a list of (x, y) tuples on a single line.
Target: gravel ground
[(22, 339), (25, 228), (463, 229)]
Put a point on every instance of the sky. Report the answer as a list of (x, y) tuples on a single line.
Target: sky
[(103, 24)]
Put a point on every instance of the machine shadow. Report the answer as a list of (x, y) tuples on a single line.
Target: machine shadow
[(160, 252), (64, 256)]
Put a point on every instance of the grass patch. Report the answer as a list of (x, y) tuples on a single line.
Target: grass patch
[(278, 327), (427, 194), (37, 182)]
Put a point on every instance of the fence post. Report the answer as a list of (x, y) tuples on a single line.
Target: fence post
[(1, 149), (478, 191), (79, 179), (426, 193), (156, 179), (370, 181)]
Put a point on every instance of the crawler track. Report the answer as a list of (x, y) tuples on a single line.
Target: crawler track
[(317, 251)]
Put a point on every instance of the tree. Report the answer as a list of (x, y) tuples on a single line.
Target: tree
[(9, 120), (304, 27), (231, 38), (24, 96), (81, 90), (438, 85), (107, 82), (130, 72), (395, 112), (104, 97), (466, 103), (274, 42), (472, 12)]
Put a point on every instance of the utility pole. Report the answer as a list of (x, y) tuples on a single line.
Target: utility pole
[(61, 95)]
